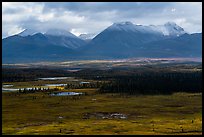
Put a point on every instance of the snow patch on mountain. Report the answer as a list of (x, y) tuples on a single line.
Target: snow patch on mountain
[(168, 29), (87, 36), (173, 29), (123, 26)]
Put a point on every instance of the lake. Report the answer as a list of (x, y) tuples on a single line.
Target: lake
[(7, 85), (54, 78), (84, 82), (9, 89), (55, 85), (66, 93), (17, 89)]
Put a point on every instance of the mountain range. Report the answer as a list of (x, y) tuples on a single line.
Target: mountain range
[(120, 40)]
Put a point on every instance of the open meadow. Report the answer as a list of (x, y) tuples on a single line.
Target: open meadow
[(90, 114)]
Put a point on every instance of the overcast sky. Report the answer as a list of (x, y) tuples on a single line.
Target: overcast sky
[(93, 17)]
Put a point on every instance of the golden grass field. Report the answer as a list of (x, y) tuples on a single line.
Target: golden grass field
[(41, 114)]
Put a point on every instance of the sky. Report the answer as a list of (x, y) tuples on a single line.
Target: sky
[(94, 17)]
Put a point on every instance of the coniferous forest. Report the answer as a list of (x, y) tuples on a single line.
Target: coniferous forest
[(148, 80)]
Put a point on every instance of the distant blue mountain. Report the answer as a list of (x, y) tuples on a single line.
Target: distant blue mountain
[(123, 40), (39, 47), (120, 40)]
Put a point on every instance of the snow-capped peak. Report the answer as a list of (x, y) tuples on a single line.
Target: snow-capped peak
[(174, 29), (168, 29), (60, 32), (123, 23), (170, 24), (125, 26), (129, 26), (27, 32)]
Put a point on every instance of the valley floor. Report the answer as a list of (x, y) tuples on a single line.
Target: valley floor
[(101, 114)]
